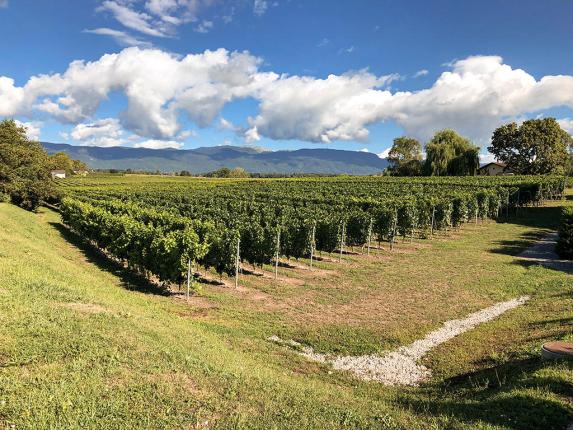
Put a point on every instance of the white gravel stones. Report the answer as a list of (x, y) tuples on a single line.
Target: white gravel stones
[(400, 367)]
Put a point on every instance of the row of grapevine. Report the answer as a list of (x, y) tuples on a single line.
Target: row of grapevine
[(160, 227)]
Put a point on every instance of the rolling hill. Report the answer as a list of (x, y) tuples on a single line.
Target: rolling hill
[(201, 160)]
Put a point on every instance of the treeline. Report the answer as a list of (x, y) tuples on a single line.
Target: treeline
[(25, 167), (537, 146)]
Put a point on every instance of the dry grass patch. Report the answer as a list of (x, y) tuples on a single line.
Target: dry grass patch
[(84, 308)]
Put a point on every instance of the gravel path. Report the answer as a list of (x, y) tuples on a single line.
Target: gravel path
[(400, 367), (543, 252)]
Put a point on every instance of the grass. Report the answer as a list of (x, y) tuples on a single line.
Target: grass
[(86, 345)]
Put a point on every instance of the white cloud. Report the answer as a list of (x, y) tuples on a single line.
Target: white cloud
[(321, 110), (184, 135), (120, 37), (385, 153), (133, 19), (323, 43), (104, 132), (157, 85), (108, 127), (252, 135), (486, 158), (226, 125), (204, 26), (158, 144), (260, 7), (421, 73), (363, 150), (33, 129), (566, 124), (474, 97)]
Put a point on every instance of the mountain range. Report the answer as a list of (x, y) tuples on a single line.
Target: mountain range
[(203, 160)]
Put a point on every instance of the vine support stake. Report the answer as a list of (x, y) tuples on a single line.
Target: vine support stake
[(277, 253), (432, 223), (395, 226), (312, 244), (237, 263), (189, 275), (342, 240), (369, 236)]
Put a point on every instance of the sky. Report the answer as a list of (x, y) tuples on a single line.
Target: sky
[(282, 74)]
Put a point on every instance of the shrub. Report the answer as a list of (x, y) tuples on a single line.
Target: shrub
[(565, 243)]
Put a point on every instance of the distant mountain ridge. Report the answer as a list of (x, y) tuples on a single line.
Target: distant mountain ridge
[(206, 159)]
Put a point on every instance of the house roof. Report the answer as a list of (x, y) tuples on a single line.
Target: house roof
[(495, 163), (58, 171)]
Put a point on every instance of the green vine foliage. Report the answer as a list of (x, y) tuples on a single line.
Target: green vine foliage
[(158, 228)]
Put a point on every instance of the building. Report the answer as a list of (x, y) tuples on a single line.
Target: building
[(493, 169), (58, 174)]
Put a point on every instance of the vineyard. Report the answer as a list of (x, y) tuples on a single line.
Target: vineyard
[(166, 227)]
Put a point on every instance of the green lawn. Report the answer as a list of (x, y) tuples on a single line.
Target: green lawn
[(85, 345)]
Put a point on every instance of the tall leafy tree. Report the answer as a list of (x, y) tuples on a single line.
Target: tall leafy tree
[(450, 154), (24, 168), (405, 157), (537, 146)]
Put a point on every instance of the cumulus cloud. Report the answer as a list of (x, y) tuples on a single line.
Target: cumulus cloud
[(321, 110), (421, 73), (105, 132), (33, 129), (473, 96), (157, 85), (476, 96), (108, 127)]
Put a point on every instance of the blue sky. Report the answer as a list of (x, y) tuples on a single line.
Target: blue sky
[(397, 67)]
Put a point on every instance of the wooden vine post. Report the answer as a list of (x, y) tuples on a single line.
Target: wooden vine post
[(277, 253), (369, 235), (189, 275), (312, 237), (343, 233), (394, 227), (518, 198), (432, 223), (237, 262)]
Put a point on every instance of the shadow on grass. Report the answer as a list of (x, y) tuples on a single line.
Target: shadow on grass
[(504, 395), (130, 280), (540, 248)]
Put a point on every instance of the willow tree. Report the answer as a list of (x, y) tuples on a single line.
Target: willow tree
[(449, 154)]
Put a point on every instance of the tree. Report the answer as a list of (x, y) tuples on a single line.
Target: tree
[(450, 154), (239, 172), (61, 161), (536, 147), (405, 157), (24, 167)]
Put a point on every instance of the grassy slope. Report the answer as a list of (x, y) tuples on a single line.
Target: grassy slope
[(82, 347)]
